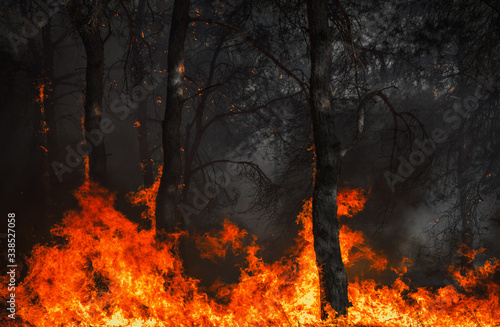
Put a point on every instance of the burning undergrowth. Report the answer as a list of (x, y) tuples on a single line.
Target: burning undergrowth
[(108, 272)]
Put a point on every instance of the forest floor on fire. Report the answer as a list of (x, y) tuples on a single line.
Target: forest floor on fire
[(102, 269)]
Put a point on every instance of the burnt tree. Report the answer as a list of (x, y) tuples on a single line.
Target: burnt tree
[(86, 16), (328, 152), (328, 160), (168, 215)]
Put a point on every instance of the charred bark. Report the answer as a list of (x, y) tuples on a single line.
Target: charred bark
[(328, 160), (86, 17), (168, 215), (93, 102)]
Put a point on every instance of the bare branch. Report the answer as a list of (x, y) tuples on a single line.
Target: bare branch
[(246, 163), (258, 47)]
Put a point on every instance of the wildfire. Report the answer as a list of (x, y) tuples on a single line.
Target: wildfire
[(108, 272)]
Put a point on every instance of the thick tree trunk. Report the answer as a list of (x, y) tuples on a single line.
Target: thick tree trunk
[(93, 103), (325, 224), (168, 216), (86, 17)]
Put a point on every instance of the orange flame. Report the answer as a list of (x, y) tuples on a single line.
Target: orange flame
[(147, 196), (107, 272), (86, 167), (350, 202)]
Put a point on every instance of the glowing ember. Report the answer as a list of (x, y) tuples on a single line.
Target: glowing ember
[(42, 88), (107, 272), (86, 167)]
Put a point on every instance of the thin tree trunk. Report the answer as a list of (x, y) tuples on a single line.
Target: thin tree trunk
[(49, 108), (325, 224), (464, 200), (44, 128), (139, 73), (191, 149), (144, 152), (41, 181), (142, 119), (465, 204), (168, 215)]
